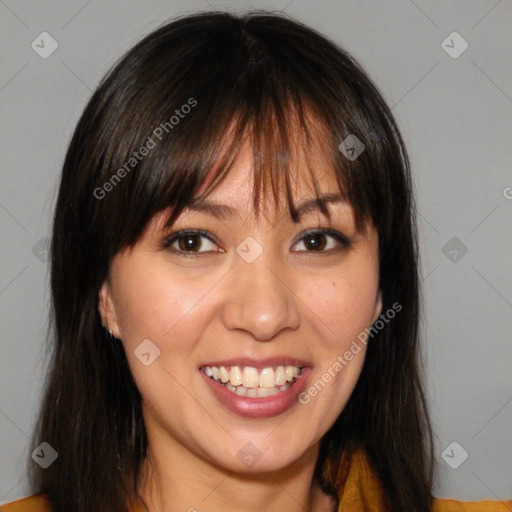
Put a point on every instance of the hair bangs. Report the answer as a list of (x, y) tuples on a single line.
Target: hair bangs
[(286, 134), (290, 117)]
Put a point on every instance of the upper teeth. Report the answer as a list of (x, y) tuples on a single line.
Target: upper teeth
[(251, 377)]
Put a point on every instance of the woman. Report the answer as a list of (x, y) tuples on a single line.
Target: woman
[(235, 286)]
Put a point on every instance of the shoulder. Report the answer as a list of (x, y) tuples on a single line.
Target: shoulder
[(37, 503), (362, 490), (441, 505)]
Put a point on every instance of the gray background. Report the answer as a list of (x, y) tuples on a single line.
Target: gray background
[(455, 115)]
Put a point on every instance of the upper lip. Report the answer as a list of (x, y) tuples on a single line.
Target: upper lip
[(259, 363)]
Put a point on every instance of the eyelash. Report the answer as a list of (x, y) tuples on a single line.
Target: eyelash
[(174, 237)]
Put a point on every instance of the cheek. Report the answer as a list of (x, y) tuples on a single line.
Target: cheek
[(146, 306), (343, 305), (151, 304), (168, 307)]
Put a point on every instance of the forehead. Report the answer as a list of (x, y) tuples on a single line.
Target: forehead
[(269, 174), (302, 170), (232, 198), (300, 159)]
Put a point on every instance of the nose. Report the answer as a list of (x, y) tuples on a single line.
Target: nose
[(261, 300)]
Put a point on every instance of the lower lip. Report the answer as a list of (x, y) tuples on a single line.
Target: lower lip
[(263, 407)]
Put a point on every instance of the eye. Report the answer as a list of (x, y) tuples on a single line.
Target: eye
[(198, 241), (190, 241), (316, 240)]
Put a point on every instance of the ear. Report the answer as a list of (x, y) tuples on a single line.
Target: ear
[(378, 307), (107, 309)]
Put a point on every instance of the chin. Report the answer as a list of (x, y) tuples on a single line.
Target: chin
[(260, 454)]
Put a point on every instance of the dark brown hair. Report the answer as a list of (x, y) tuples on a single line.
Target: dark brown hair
[(265, 77)]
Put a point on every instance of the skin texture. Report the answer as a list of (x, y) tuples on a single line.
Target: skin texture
[(291, 301)]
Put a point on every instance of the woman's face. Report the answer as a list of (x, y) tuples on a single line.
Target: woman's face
[(251, 301)]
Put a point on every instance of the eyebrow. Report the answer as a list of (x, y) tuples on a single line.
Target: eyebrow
[(222, 211)]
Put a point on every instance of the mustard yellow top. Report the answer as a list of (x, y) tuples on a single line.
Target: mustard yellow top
[(362, 492)]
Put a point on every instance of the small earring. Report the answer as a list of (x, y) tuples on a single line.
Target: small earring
[(108, 332)]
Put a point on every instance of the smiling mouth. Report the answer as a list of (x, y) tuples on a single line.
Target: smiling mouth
[(251, 382)]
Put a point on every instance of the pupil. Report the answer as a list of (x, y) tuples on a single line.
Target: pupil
[(314, 245), (188, 242)]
